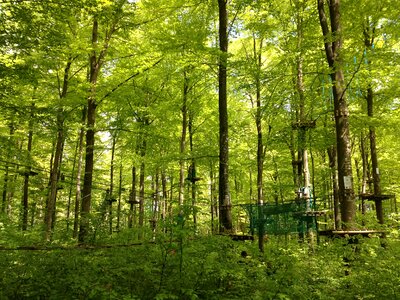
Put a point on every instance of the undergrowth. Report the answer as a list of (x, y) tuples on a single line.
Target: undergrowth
[(182, 266)]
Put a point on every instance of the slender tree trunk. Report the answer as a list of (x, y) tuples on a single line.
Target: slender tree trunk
[(193, 175), (55, 170), (213, 198), (368, 42), (7, 170), (119, 197), (71, 185), (13, 181), (51, 202), (5, 188), (111, 188), (374, 159), (141, 194), (260, 146), (333, 55), (225, 206), (303, 172), (364, 159), (132, 198), (156, 205), (335, 186), (165, 195), (142, 182), (78, 194), (182, 148), (26, 175)]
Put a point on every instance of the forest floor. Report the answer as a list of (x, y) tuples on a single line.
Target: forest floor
[(205, 267)]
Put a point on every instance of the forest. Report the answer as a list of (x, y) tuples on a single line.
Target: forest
[(199, 149)]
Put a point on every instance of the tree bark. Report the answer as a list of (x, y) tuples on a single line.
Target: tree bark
[(225, 215), (333, 55)]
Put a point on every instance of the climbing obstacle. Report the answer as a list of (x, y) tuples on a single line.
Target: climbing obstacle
[(297, 216)]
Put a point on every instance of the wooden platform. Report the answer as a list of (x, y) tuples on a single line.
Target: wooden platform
[(350, 233), (314, 213), (373, 197), (240, 237), (304, 124)]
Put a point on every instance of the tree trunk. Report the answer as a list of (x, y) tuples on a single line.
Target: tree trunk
[(333, 55), (119, 197), (96, 61), (141, 194), (142, 183), (132, 198), (156, 205), (7, 170), (225, 215), (192, 176), (364, 159), (71, 185), (111, 187), (213, 198), (368, 42), (55, 170), (164, 195), (51, 202), (26, 175), (183, 139), (335, 187), (260, 146), (79, 173)]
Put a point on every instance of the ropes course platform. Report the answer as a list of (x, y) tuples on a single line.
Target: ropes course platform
[(351, 233)]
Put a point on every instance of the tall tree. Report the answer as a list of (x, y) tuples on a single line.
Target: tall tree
[(96, 61), (333, 41), (55, 170), (225, 206)]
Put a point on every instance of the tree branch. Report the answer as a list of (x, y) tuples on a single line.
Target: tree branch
[(325, 32), (127, 79)]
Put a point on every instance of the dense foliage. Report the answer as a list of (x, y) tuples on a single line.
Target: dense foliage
[(204, 268), (133, 131)]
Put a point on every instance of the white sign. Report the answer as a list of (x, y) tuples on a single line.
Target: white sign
[(347, 182)]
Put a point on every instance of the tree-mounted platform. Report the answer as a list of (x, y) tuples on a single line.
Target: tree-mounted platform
[(372, 197), (133, 201), (313, 213), (111, 200), (241, 237), (304, 124), (28, 173), (350, 233)]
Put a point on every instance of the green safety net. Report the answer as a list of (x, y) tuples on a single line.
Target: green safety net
[(278, 219)]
